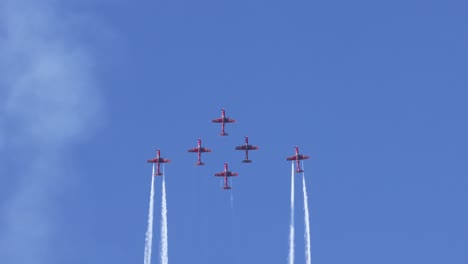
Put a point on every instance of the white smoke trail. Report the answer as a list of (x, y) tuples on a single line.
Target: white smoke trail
[(291, 226), (149, 231), (306, 222), (232, 198), (163, 253)]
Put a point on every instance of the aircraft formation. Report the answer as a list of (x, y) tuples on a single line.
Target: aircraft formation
[(226, 173)]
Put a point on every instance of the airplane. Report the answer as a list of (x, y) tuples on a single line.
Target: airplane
[(199, 149), (246, 147), (226, 173), (297, 157), (223, 120), (158, 160)]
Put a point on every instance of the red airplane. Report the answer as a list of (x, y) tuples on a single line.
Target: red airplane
[(199, 149), (246, 147), (297, 157), (158, 160), (223, 120), (226, 173)]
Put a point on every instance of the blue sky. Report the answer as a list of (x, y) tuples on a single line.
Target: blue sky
[(374, 91)]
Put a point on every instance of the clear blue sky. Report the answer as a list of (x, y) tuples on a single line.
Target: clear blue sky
[(375, 91)]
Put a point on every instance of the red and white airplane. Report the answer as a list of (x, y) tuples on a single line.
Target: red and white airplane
[(158, 160), (247, 147), (226, 173), (199, 149), (297, 157), (223, 120)]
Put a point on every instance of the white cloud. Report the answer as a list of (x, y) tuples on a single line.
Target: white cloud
[(49, 99)]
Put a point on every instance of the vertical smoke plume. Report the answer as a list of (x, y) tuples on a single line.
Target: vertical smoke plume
[(291, 226), (306, 222), (163, 253), (149, 231)]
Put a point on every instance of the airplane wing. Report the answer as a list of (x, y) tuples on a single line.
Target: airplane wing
[(193, 150), (164, 160), (231, 174), (250, 147), (243, 147), (217, 120), (220, 174), (205, 149), (229, 120), (302, 157), (291, 158)]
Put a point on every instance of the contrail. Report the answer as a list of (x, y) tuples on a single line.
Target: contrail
[(306, 221), (163, 253), (291, 226), (149, 231)]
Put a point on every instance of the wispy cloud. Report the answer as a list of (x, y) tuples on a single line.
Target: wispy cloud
[(50, 100)]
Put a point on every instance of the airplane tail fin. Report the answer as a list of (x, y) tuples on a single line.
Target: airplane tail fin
[(223, 134), (299, 171), (247, 161), (157, 174), (199, 163), (226, 188)]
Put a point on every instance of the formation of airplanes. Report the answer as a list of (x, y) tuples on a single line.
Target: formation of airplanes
[(199, 149)]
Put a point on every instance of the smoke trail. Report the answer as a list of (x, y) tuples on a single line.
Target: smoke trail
[(232, 198), (306, 221), (149, 231), (163, 253), (291, 226)]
